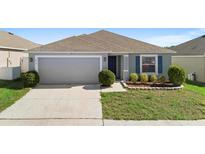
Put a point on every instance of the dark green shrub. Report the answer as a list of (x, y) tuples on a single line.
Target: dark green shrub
[(176, 75), (30, 78), (106, 77), (144, 78), (133, 77), (153, 78), (162, 79)]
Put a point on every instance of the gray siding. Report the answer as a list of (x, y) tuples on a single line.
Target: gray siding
[(167, 61)]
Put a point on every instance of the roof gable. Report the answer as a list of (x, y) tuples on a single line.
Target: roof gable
[(192, 47)]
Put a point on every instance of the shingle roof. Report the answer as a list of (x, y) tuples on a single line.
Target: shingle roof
[(11, 41), (101, 41), (192, 47), (130, 45), (69, 44)]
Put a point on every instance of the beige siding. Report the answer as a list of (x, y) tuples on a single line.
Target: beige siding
[(11, 58), (192, 64)]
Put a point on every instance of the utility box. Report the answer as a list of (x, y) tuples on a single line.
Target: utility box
[(10, 73), (192, 76)]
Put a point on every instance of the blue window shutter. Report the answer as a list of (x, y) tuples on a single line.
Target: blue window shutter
[(138, 64), (160, 64)]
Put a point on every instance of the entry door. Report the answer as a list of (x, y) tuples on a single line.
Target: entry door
[(112, 64)]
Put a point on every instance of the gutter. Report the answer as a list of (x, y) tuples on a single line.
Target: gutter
[(4, 47), (96, 52)]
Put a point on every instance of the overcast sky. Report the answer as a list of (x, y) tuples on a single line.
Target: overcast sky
[(158, 36)]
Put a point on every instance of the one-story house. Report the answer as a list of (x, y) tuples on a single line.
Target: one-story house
[(191, 56), (79, 59), (12, 49)]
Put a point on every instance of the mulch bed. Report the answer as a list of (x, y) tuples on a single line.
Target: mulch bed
[(150, 84)]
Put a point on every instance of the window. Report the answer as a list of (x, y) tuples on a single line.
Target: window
[(148, 64)]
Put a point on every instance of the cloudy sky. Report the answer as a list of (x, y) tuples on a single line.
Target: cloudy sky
[(158, 36)]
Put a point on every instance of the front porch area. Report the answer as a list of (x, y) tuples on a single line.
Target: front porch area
[(119, 65)]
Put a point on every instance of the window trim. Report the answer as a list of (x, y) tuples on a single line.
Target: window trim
[(156, 63)]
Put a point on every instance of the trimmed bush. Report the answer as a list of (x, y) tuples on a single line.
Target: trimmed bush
[(144, 78), (176, 75), (106, 77), (162, 79), (30, 78), (153, 78), (133, 77)]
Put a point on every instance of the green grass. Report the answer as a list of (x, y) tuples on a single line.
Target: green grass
[(195, 87), (10, 92), (186, 104)]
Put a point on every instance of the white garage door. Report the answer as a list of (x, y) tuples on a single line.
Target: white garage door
[(63, 70)]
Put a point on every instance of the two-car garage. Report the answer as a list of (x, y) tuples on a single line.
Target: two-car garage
[(68, 69)]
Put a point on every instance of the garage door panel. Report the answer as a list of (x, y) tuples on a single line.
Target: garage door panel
[(68, 70)]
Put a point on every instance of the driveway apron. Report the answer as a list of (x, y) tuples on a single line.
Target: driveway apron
[(57, 102)]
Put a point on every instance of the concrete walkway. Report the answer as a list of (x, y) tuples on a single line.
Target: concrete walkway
[(70, 103), (116, 87)]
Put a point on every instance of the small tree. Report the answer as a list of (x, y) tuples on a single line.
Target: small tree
[(176, 75)]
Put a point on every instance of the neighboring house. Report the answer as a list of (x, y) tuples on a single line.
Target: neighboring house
[(191, 56), (79, 59), (12, 49)]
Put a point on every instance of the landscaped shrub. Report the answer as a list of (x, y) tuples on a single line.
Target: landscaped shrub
[(162, 79), (153, 78), (30, 78), (144, 78), (106, 77), (133, 77), (176, 75)]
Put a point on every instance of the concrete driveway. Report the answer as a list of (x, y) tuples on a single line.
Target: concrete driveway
[(56, 105)]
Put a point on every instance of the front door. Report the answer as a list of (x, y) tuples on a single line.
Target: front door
[(112, 64)]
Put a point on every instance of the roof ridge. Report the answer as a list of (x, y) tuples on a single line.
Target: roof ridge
[(90, 42)]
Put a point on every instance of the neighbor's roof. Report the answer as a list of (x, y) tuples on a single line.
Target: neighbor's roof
[(192, 47), (10, 41), (101, 42)]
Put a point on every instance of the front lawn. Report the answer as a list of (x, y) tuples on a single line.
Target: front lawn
[(186, 104), (10, 92), (196, 87)]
